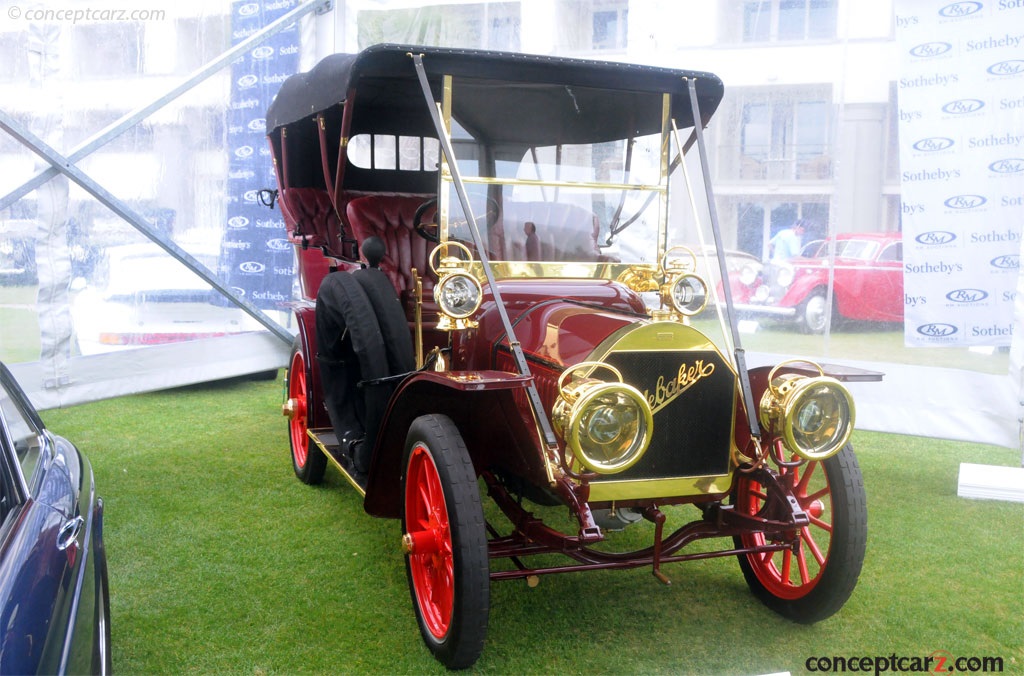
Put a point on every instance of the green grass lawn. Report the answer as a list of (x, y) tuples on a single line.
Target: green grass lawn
[(19, 324), (222, 562)]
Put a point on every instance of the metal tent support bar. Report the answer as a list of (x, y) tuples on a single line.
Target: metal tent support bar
[(460, 189), (61, 164), (65, 166), (741, 359)]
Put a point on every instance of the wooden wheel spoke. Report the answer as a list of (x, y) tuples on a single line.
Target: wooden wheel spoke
[(824, 525), (812, 546), (816, 495), (801, 561), (801, 486)]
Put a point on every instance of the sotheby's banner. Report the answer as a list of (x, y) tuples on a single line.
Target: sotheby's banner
[(256, 259), (961, 131)]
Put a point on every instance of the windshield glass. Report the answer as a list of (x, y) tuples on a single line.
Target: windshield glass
[(855, 248), (574, 182), (583, 183)]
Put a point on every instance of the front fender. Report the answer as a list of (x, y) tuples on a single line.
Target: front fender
[(804, 283), (305, 320), (485, 407)]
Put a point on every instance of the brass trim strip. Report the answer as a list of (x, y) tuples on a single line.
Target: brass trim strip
[(663, 174), (316, 439), (606, 491), (589, 185), (418, 296), (444, 198)]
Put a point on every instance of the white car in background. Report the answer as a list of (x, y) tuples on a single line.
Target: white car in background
[(143, 296)]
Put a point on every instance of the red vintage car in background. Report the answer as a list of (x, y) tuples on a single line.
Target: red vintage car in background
[(498, 305), (866, 270)]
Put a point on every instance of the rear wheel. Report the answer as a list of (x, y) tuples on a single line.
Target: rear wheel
[(446, 543), (308, 462), (813, 580)]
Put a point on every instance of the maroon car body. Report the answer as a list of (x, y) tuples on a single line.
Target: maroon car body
[(864, 269), (554, 358)]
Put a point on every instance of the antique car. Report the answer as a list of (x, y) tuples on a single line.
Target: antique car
[(54, 598), (498, 304), (145, 297), (867, 276)]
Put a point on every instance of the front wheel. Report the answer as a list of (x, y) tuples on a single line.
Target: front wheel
[(308, 462), (813, 313), (813, 580), (446, 542)]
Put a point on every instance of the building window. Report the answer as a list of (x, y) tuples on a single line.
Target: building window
[(14, 56), (782, 135), (491, 25), (107, 50), (785, 20), (586, 25), (610, 28), (503, 32), (757, 221), (201, 40)]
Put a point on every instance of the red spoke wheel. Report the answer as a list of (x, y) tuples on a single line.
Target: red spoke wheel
[(309, 463), (446, 543), (814, 579)]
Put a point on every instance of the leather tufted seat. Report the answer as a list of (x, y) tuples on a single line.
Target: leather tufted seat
[(390, 217), (311, 216)]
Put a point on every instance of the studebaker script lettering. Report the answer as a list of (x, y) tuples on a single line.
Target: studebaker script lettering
[(667, 390)]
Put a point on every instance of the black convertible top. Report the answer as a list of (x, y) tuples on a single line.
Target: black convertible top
[(506, 102), (388, 94)]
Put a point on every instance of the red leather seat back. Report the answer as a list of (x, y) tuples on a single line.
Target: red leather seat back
[(310, 216), (390, 217)]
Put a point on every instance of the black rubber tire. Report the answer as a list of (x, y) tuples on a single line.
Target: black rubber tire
[(308, 460), (463, 641), (394, 328), (845, 555)]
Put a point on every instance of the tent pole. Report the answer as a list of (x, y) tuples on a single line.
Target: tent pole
[(66, 167)]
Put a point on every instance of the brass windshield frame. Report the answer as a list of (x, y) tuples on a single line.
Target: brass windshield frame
[(551, 269)]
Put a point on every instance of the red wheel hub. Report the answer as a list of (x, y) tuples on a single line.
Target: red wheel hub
[(429, 542)]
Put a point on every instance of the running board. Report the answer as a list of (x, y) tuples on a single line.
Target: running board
[(327, 441)]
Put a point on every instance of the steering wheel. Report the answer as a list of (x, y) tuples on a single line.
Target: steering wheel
[(419, 227), (490, 218)]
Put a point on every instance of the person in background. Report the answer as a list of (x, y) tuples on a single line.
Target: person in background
[(787, 242)]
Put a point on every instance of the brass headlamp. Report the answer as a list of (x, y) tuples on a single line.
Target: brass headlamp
[(607, 426), (813, 415), (458, 293), (683, 291)]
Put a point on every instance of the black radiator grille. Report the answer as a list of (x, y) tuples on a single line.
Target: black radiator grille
[(693, 429)]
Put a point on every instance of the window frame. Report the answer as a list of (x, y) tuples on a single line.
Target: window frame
[(775, 137), (778, 12)]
